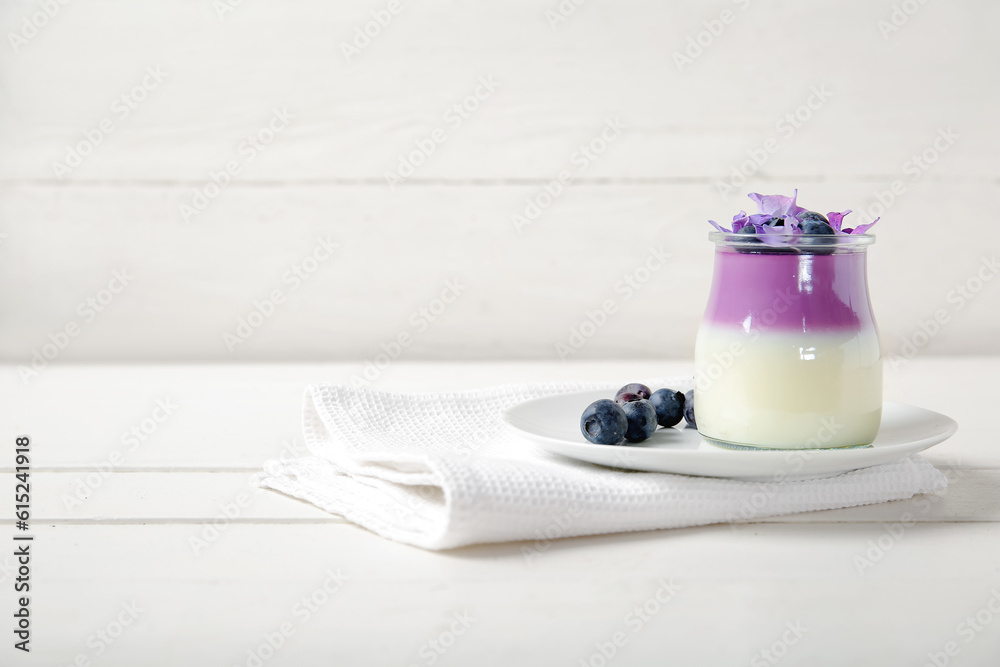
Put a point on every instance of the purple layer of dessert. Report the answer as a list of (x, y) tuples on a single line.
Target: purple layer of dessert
[(789, 292)]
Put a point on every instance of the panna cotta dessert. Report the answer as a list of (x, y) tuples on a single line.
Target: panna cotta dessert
[(787, 355)]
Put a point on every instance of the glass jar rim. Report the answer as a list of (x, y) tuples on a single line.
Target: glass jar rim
[(800, 243)]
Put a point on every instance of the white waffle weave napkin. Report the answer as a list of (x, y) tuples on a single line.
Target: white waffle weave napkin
[(440, 471)]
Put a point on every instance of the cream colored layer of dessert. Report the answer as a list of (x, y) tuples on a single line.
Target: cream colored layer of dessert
[(788, 390)]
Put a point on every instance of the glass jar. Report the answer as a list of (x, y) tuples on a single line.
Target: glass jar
[(787, 354)]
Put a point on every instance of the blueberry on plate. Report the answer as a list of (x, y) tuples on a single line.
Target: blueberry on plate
[(669, 406), (689, 409), (819, 237), (635, 388), (603, 423), (627, 397), (641, 418)]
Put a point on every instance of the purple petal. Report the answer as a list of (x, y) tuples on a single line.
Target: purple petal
[(837, 219), (795, 209), (861, 229), (776, 205), (719, 227), (739, 221), (769, 204), (773, 235), (759, 218)]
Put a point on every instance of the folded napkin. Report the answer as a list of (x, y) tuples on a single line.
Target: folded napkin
[(442, 470)]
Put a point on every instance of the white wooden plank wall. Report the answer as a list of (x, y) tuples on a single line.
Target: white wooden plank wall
[(878, 96)]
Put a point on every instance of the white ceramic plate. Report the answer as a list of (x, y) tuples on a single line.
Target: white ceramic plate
[(553, 424)]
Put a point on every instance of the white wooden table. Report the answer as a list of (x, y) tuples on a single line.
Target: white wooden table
[(140, 564)]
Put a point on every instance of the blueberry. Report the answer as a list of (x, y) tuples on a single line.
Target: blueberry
[(750, 232), (817, 246), (817, 227), (669, 406), (627, 397), (603, 423), (635, 388), (812, 215), (689, 409), (641, 420), (775, 221)]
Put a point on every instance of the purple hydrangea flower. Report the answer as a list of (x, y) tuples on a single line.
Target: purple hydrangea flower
[(786, 208)]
